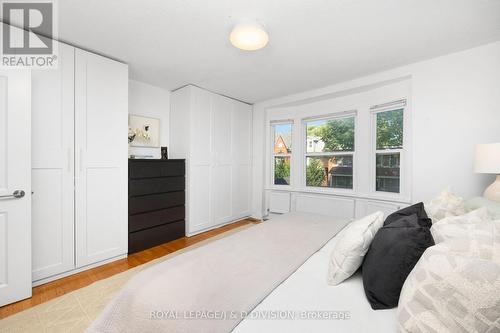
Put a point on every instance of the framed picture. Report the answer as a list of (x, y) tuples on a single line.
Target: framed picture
[(164, 153), (143, 131)]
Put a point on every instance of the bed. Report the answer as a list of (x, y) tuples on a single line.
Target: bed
[(212, 288), (272, 277), (307, 290)]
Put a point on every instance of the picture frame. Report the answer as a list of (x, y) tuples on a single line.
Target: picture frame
[(144, 131)]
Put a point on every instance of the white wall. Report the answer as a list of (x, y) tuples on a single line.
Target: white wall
[(455, 104), (150, 101)]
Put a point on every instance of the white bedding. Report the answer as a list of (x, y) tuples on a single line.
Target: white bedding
[(307, 290), (455, 286)]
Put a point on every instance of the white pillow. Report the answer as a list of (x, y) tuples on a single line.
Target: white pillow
[(351, 247), (454, 286), (455, 227), (445, 205)]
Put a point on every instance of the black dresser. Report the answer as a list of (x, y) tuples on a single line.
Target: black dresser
[(156, 202)]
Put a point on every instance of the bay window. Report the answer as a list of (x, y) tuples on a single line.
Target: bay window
[(354, 153)]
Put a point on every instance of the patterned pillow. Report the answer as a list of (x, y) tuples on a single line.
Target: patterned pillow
[(455, 285), (445, 205), (454, 227)]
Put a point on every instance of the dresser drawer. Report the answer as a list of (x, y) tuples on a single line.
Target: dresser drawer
[(151, 219), (147, 203), (153, 169), (155, 185), (144, 239)]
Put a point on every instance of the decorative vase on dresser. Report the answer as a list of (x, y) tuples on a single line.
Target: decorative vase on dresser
[(156, 202)]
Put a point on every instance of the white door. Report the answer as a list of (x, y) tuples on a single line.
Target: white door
[(53, 167), (101, 128), (222, 108), (15, 185)]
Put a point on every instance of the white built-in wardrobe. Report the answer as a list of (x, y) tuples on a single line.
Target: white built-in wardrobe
[(79, 163), (213, 133)]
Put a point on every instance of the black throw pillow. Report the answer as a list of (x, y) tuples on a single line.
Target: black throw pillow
[(418, 209), (393, 253)]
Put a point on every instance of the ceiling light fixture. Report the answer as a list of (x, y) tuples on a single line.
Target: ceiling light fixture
[(249, 36)]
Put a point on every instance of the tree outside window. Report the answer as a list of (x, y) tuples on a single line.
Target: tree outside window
[(389, 145), (329, 152), (282, 151)]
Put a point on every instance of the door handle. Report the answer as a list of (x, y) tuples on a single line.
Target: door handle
[(17, 194), (69, 159)]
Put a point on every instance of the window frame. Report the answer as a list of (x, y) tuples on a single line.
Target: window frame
[(305, 154), (374, 111), (272, 125)]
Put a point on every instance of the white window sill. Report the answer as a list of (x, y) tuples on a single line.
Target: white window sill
[(346, 193)]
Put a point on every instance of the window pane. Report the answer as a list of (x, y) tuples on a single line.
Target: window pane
[(329, 171), (388, 171), (282, 170), (330, 135), (282, 139), (390, 129)]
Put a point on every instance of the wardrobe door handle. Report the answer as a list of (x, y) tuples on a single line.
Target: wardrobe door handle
[(81, 160), (69, 159)]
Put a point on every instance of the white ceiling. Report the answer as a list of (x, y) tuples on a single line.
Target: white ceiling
[(313, 43)]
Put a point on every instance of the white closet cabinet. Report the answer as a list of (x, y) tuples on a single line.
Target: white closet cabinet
[(101, 118), (79, 163), (53, 167), (213, 134)]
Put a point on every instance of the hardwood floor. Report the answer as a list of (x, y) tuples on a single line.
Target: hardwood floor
[(57, 288)]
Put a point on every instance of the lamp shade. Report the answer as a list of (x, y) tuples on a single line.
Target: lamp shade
[(487, 158)]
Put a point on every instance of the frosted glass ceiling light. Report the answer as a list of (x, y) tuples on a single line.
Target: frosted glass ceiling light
[(249, 36)]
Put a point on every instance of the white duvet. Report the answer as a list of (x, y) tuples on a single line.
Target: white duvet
[(307, 291)]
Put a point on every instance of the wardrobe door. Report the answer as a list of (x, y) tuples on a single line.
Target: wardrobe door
[(52, 167), (200, 162), (101, 125), (222, 109), (241, 160)]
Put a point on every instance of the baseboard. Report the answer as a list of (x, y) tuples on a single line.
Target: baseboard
[(220, 225), (77, 270)]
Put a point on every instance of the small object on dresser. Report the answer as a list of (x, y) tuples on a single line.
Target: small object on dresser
[(144, 157), (164, 153)]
